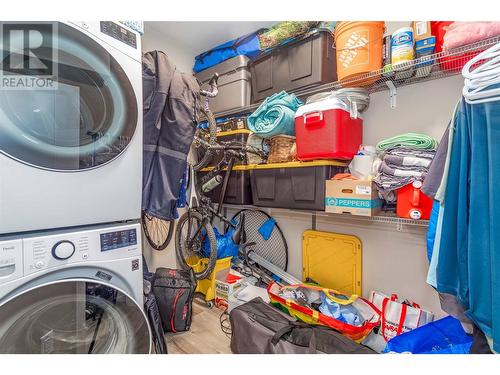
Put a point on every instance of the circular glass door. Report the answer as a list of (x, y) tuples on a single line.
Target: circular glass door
[(84, 121), (73, 317)]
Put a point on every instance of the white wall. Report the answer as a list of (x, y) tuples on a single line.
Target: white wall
[(179, 53), (393, 261), (182, 41), (163, 258), (424, 107)]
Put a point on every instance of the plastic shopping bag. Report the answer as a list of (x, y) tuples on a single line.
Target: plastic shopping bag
[(444, 336), (398, 317), (225, 245)]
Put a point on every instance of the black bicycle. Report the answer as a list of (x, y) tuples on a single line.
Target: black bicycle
[(195, 240)]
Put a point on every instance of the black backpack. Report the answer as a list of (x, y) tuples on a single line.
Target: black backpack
[(174, 292)]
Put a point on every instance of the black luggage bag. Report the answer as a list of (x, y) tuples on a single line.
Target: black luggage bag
[(259, 328), (174, 291)]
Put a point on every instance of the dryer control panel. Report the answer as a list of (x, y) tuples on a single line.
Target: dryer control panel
[(54, 251), (119, 33)]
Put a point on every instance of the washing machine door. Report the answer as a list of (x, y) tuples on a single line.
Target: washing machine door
[(74, 317), (85, 120)]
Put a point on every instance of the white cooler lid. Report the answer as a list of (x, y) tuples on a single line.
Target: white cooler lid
[(323, 105)]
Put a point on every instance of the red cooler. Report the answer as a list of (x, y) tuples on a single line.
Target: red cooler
[(325, 130)]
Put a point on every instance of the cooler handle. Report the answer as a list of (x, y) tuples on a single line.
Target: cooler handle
[(312, 117), (415, 198)]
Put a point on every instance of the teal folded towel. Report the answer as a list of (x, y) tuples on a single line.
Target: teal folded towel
[(409, 140), (276, 115)]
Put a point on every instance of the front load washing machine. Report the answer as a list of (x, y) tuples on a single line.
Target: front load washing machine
[(73, 292), (71, 153)]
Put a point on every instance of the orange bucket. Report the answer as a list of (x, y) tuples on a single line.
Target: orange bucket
[(359, 51)]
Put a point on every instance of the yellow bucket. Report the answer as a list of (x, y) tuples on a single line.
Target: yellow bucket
[(207, 286)]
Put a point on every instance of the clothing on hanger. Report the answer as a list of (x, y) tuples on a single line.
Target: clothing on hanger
[(468, 259)]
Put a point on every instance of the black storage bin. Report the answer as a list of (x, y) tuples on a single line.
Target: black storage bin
[(305, 62), (240, 135), (239, 189), (296, 185)]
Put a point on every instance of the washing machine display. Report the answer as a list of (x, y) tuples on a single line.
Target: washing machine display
[(60, 293), (73, 317), (119, 239), (86, 120)]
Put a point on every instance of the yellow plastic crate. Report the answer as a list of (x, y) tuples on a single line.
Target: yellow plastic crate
[(207, 286), (332, 260)]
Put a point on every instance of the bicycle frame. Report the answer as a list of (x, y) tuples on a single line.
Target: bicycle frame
[(205, 203)]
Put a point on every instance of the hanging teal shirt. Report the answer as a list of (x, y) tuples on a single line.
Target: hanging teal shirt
[(470, 235)]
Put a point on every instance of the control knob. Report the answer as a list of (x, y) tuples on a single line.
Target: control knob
[(63, 250)]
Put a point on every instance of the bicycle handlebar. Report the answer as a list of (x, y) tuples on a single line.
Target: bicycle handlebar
[(228, 146), (213, 81), (213, 87)]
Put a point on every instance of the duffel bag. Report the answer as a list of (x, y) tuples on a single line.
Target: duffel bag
[(174, 291), (353, 316), (259, 328)]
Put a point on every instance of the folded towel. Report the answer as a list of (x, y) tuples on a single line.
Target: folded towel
[(407, 162), (408, 151), (276, 115), (402, 171), (412, 140), (387, 184)]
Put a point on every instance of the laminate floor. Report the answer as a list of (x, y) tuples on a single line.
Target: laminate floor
[(205, 335)]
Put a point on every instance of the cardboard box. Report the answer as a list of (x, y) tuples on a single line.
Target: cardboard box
[(421, 30), (356, 197), (225, 285)]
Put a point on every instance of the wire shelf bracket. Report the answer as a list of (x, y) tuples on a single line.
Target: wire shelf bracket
[(393, 92)]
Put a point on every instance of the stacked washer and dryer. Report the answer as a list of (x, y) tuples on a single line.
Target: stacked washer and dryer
[(70, 194)]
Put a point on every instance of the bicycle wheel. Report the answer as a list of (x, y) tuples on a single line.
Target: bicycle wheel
[(190, 235), (158, 231), (205, 153)]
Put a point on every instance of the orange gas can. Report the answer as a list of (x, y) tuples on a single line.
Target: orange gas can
[(412, 203)]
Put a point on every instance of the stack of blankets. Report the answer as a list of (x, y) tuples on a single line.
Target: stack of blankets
[(404, 159)]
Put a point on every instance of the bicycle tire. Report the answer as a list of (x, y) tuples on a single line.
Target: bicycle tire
[(212, 130), (180, 244), (159, 240)]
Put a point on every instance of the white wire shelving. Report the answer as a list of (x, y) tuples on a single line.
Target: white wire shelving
[(435, 66), (432, 67), (384, 218)]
